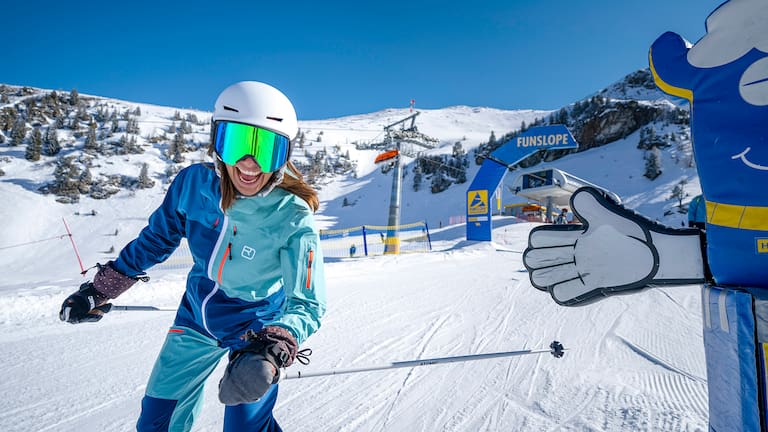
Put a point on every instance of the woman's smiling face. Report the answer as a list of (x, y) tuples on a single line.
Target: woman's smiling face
[(247, 177)]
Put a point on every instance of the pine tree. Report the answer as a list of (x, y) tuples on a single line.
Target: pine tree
[(18, 132), (82, 114), (652, 163), (74, 124), (302, 138), (64, 183), (461, 174), (91, 143), (678, 193), (34, 113), (185, 127), (133, 147), (178, 147), (51, 146), (417, 178), (8, 117), (439, 182), (132, 126), (85, 181), (144, 181), (74, 97), (34, 146), (122, 145)]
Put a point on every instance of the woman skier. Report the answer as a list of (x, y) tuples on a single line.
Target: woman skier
[(256, 290)]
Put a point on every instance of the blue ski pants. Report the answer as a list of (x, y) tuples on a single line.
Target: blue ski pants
[(174, 394)]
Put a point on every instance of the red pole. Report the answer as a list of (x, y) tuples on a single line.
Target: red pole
[(77, 254)]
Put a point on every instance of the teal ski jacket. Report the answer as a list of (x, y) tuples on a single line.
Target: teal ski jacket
[(257, 264)]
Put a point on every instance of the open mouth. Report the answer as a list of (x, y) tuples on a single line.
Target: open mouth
[(743, 157), (247, 177)]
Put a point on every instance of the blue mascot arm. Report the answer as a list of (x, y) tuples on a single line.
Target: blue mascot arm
[(670, 67)]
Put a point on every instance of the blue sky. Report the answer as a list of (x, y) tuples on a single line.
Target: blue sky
[(340, 58)]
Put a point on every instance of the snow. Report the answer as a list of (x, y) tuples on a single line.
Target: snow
[(632, 362)]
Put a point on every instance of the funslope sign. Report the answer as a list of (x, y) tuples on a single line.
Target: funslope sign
[(495, 165)]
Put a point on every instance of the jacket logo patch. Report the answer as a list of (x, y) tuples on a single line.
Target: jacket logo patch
[(248, 252)]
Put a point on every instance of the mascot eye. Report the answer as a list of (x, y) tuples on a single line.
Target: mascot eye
[(753, 85)]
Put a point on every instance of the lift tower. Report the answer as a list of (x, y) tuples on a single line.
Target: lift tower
[(400, 141)]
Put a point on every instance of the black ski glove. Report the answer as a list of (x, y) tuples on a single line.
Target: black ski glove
[(89, 303), (255, 367), (85, 305)]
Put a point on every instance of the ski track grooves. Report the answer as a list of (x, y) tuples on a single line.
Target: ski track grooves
[(81, 414), (425, 341), (657, 361)]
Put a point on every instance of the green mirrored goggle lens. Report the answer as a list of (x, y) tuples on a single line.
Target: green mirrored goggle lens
[(234, 141)]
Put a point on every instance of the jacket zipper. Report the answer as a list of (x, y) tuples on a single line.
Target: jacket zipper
[(211, 264), (309, 269), (227, 255)]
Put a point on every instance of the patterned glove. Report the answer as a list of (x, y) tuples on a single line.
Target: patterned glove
[(89, 303), (84, 305)]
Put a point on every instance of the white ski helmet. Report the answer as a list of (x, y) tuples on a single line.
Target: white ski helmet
[(257, 104)]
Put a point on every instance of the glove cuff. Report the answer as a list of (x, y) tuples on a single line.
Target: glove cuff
[(92, 296), (111, 283), (277, 344)]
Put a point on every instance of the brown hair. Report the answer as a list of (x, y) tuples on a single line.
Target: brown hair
[(293, 182)]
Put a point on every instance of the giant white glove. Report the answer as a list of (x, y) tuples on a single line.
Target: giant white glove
[(615, 251)]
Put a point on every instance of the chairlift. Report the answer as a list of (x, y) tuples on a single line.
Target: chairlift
[(387, 155)]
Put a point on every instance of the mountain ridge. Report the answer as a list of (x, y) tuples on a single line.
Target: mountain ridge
[(350, 181)]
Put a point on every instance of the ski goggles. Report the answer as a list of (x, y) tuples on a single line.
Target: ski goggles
[(234, 141)]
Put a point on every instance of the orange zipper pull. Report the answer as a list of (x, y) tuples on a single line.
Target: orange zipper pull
[(309, 269)]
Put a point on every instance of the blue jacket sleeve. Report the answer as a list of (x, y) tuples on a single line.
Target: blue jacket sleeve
[(159, 238)]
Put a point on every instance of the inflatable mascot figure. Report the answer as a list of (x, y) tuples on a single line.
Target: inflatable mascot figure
[(724, 76)]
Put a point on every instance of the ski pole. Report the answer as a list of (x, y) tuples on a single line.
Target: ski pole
[(142, 308), (555, 348), (77, 254)]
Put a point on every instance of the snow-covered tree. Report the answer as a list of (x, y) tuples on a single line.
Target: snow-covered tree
[(65, 177), (652, 163), (74, 97), (18, 132), (51, 145), (679, 194), (177, 147), (85, 181), (91, 143), (34, 146), (145, 182)]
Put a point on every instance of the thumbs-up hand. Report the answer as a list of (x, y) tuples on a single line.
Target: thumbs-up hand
[(614, 251)]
